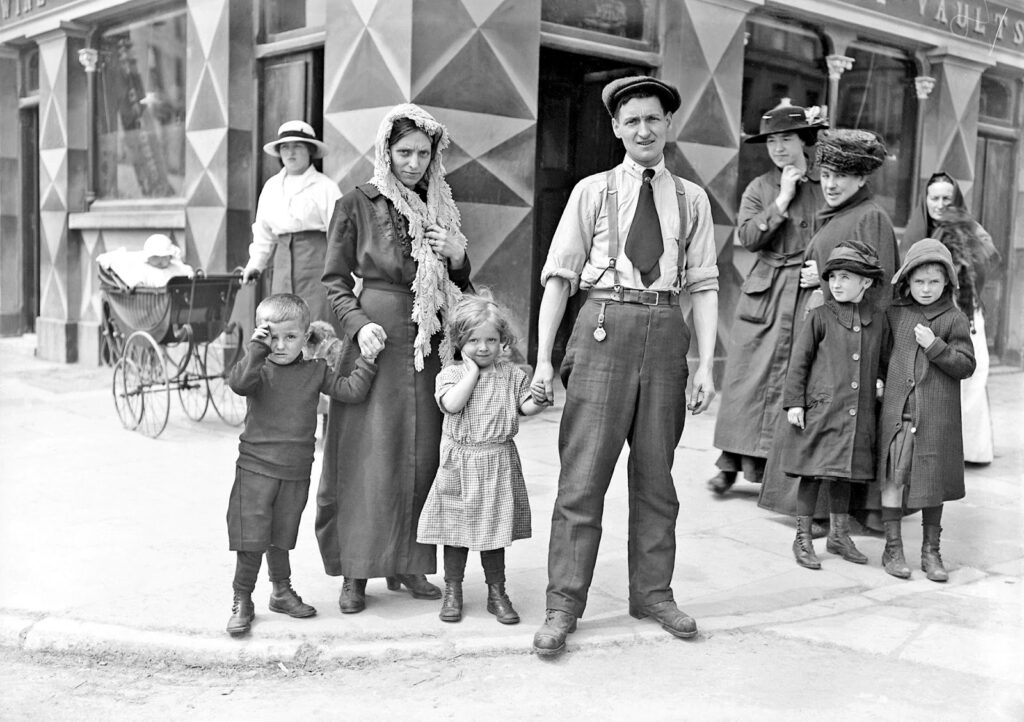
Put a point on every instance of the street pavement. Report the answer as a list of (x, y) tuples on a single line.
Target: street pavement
[(114, 544)]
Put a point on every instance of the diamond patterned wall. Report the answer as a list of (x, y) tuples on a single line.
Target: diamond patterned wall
[(473, 64)]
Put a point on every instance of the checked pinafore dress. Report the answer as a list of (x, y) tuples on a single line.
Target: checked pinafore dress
[(478, 499)]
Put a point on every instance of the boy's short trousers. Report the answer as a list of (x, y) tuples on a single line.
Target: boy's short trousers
[(264, 511)]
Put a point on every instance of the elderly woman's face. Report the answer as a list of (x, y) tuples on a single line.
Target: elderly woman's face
[(839, 187), (410, 156), (295, 157), (938, 198)]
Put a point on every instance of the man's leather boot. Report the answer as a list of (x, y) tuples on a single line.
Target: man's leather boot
[(500, 605), (803, 547), (242, 614), (284, 600), (353, 596), (673, 620), (549, 641), (931, 560), (839, 541), (893, 560), (451, 602)]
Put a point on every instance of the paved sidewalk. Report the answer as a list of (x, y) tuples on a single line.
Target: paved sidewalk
[(115, 544)]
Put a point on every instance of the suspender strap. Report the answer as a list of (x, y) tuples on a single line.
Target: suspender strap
[(684, 237)]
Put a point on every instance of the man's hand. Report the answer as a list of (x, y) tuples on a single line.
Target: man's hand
[(795, 415), (703, 391), (541, 388)]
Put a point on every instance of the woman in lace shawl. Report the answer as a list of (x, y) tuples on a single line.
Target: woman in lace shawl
[(398, 233), (942, 214)]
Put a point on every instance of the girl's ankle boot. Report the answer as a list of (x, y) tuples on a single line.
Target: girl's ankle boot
[(892, 556), (803, 547), (931, 560), (839, 541), (500, 605), (451, 602)]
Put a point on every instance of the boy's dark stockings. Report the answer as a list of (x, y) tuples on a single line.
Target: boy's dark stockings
[(455, 559), (247, 569), (807, 496), (278, 565)]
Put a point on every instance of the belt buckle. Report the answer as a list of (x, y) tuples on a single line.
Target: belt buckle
[(617, 294), (648, 298)]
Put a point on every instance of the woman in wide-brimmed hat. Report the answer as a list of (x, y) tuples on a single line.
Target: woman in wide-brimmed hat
[(845, 158), (399, 233), (942, 214), (775, 222), (292, 215)]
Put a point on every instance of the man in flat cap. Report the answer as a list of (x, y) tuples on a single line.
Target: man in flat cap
[(631, 239)]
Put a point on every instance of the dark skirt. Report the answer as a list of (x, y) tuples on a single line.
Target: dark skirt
[(298, 267), (380, 457)]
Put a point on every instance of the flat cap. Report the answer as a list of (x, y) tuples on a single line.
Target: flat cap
[(640, 85)]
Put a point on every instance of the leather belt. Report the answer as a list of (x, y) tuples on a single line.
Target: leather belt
[(634, 295)]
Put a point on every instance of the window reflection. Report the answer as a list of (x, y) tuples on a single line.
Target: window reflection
[(622, 18), (140, 125)]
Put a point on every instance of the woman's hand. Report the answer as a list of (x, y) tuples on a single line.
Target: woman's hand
[(447, 244), (788, 180), (809, 275), (250, 274), (371, 338)]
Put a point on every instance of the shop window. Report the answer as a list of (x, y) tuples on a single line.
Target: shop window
[(284, 17), (140, 108), (877, 94), (629, 21), (781, 60), (30, 73), (996, 104)]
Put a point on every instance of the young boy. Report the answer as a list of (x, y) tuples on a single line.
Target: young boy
[(921, 459), (830, 398), (275, 451)]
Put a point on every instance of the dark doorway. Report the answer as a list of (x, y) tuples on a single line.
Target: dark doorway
[(993, 175), (574, 140), (29, 219)]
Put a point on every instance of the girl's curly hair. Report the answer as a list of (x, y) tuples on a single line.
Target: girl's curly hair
[(471, 312)]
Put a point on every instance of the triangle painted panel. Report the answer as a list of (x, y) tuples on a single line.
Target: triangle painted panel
[(52, 56), (709, 159), (710, 123), (359, 173), (52, 301), (205, 192), (510, 29), (963, 84), (206, 143), (358, 127), (52, 133), (52, 227), (342, 154), (513, 162), (52, 165), (206, 112), (52, 201), (710, 25), (481, 10), (365, 8), (722, 187), (344, 30), (475, 184), (476, 81), (391, 29), (486, 227), (958, 162), (440, 29), (454, 157), (479, 133), (205, 225), (207, 21), (368, 82)]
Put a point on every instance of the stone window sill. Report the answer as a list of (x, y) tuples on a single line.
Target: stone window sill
[(149, 216)]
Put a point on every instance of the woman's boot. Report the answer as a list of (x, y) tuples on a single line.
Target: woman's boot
[(500, 605), (803, 547), (931, 560), (892, 556), (451, 602), (839, 541), (353, 596)]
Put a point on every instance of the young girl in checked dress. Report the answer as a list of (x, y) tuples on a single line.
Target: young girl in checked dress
[(478, 499)]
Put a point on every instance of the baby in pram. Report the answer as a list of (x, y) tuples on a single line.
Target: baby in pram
[(152, 267)]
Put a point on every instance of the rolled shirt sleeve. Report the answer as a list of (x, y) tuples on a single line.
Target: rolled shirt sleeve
[(571, 244)]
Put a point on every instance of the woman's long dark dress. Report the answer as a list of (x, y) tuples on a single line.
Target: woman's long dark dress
[(380, 456)]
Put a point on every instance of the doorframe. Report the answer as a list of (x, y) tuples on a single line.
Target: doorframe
[(29, 222)]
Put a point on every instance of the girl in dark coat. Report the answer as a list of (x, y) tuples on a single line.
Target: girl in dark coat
[(829, 400), (400, 234), (920, 448)]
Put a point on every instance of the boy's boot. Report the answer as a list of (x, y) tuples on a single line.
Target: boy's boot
[(839, 541), (451, 602), (803, 547), (353, 596), (892, 556), (284, 599), (500, 605), (242, 614), (931, 560)]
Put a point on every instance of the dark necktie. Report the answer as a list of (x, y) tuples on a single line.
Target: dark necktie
[(644, 244)]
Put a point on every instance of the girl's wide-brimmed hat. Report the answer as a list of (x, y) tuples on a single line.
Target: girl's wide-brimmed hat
[(928, 250), (293, 131), (855, 257), (853, 152), (788, 118)]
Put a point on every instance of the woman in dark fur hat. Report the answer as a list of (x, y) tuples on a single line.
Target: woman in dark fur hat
[(941, 214)]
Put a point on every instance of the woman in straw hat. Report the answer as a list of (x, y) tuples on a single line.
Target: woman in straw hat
[(775, 222), (292, 215), (398, 233)]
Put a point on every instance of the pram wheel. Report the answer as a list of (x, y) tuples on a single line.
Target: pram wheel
[(221, 355), (189, 375), (142, 350), (126, 390)]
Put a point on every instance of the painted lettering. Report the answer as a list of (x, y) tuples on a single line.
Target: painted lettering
[(1018, 32), (963, 11), (921, 7), (6, 8), (979, 27), (1000, 25), (940, 13)]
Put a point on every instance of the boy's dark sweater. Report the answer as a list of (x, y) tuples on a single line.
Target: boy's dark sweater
[(280, 427)]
